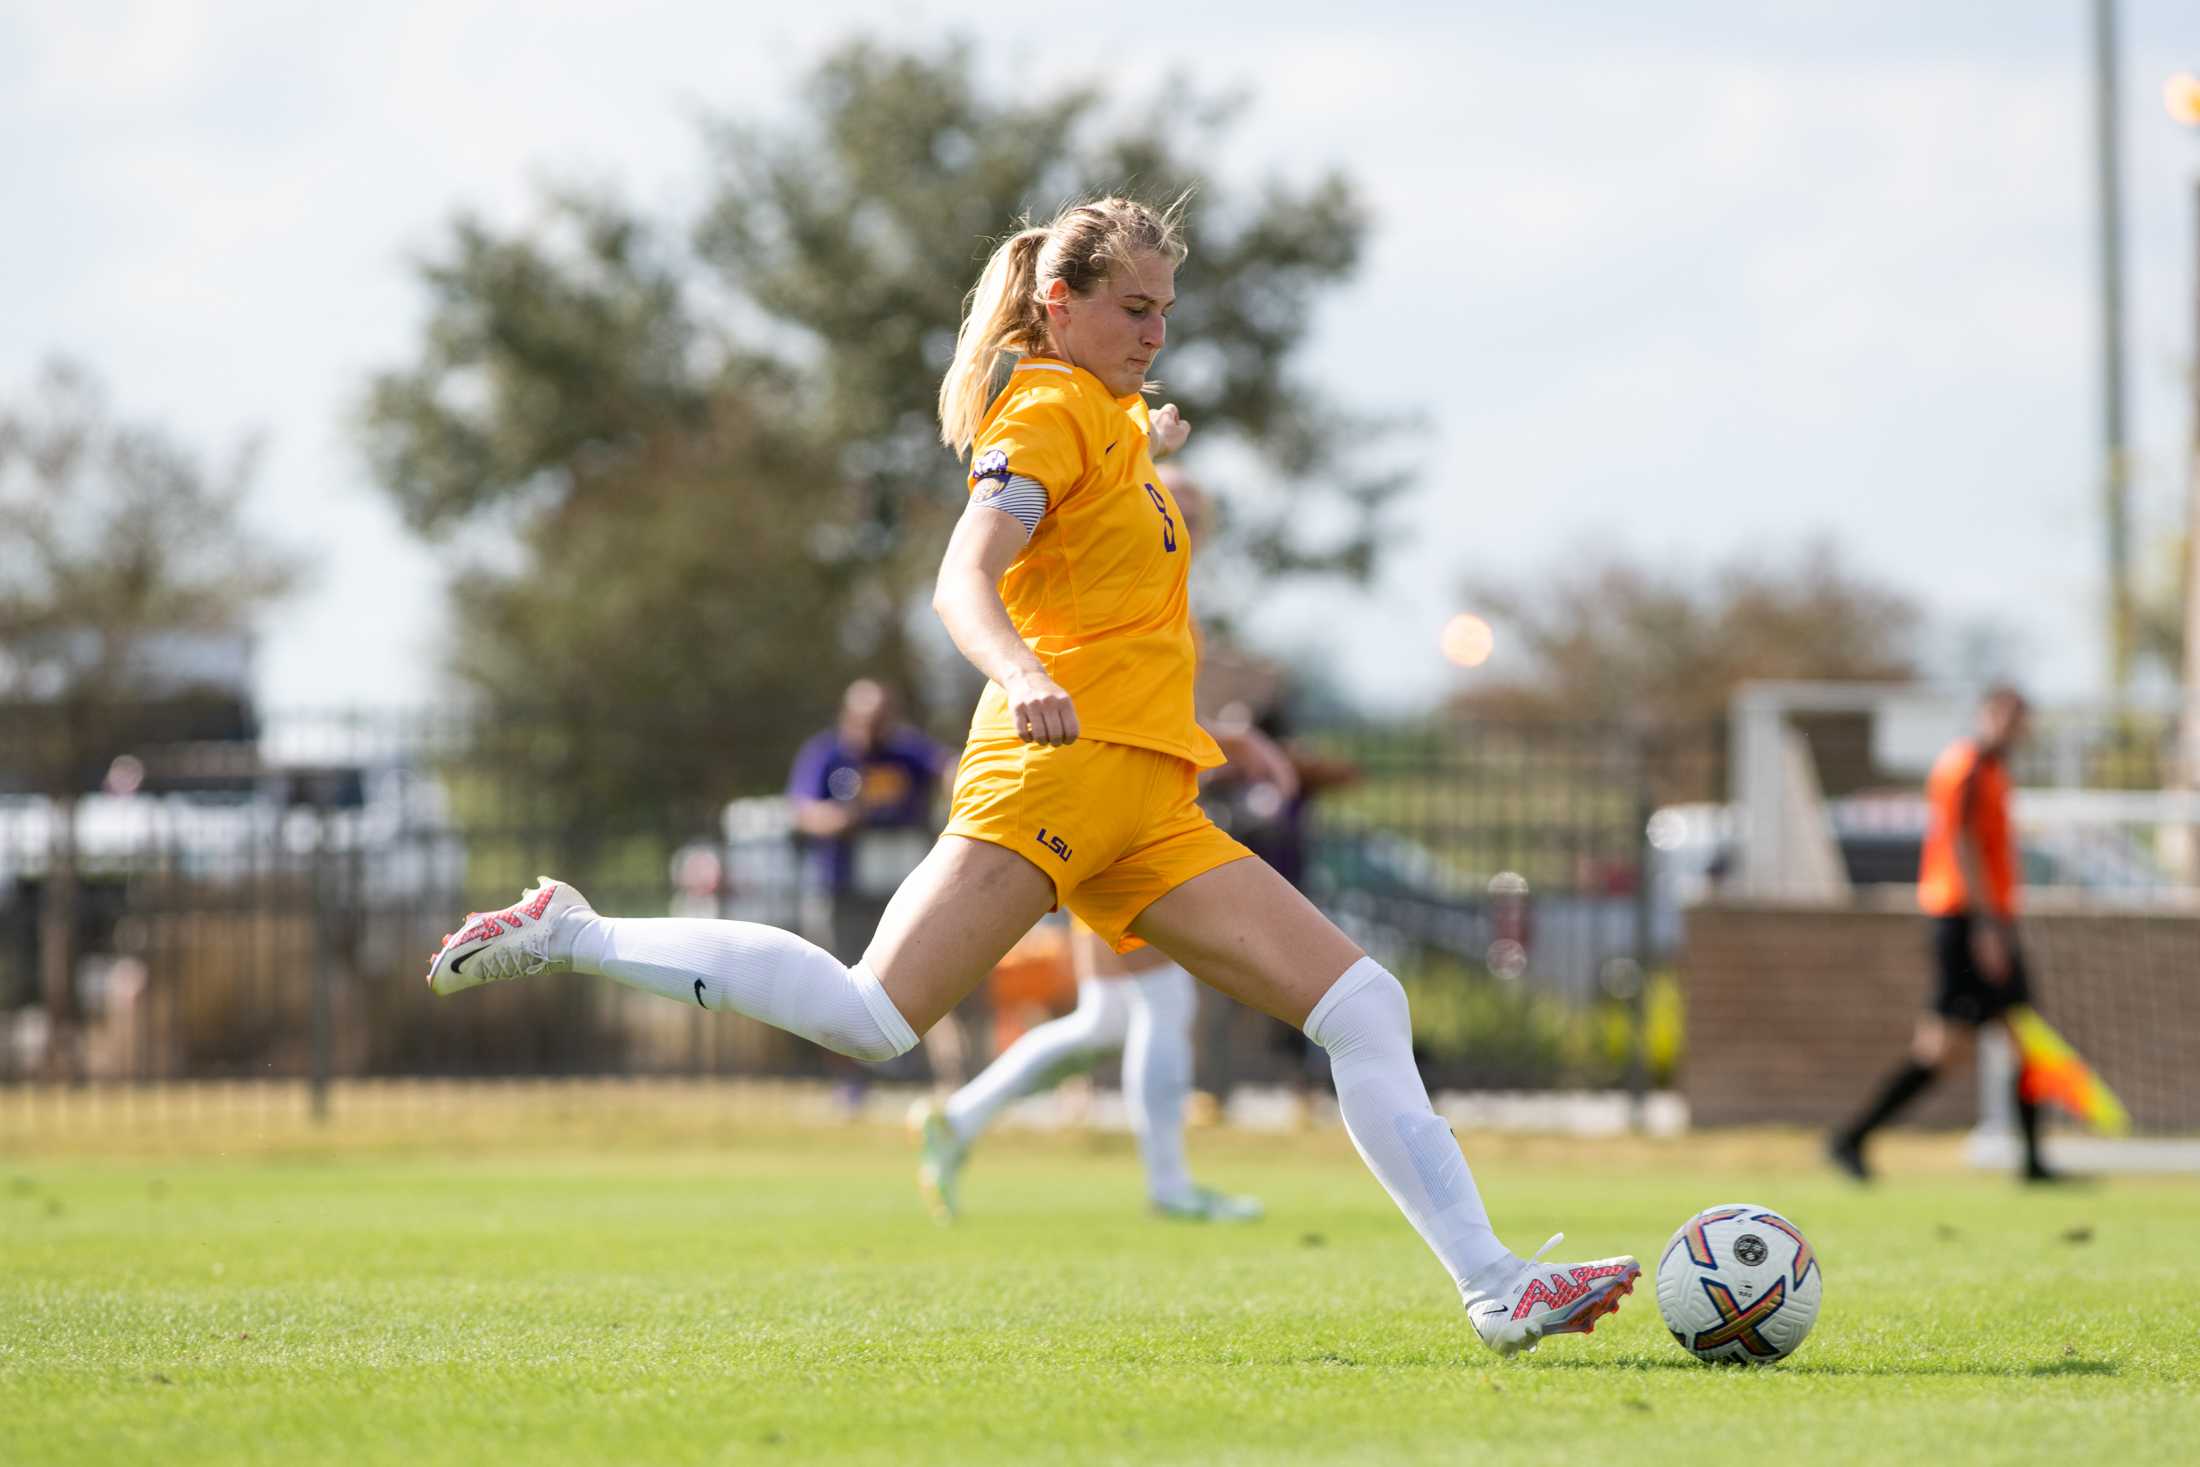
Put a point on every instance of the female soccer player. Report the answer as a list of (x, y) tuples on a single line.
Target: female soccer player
[(1064, 582)]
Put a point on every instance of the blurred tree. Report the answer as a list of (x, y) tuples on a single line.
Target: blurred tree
[(118, 543), (1604, 639), (641, 611), (657, 658), (710, 485), (550, 364), (854, 235)]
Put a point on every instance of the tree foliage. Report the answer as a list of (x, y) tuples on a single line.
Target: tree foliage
[(551, 362), (694, 465), (1601, 638)]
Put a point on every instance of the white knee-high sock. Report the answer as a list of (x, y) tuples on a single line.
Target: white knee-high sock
[(1157, 1074), (1043, 1056), (1364, 1024), (751, 969)]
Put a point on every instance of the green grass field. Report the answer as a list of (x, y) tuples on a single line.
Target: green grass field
[(777, 1295)]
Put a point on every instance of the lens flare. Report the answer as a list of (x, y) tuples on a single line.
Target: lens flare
[(1467, 640), (2181, 95)]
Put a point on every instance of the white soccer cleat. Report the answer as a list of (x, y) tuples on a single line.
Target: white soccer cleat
[(1512, 1304), (1205, 1204), (490, 947)]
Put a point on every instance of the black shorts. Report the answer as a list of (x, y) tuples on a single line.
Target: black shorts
[(1964, 995)]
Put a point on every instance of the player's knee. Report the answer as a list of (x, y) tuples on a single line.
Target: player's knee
[(868, 1028), (1366, 1006), (870, 1048), (1103, 1013), (860, 1036)]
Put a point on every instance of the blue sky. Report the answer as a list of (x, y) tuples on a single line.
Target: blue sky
[(1697, 280)]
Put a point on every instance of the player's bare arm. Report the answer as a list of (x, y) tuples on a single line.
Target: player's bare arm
[(1259, 757), (825, 819), (967, 597)]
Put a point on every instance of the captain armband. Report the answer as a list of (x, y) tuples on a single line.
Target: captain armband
[(1019, 496)]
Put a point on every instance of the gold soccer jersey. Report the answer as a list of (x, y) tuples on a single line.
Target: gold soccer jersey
[(1100, 591)]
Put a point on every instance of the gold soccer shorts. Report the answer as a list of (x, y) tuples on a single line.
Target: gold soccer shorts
[(1117, 827)]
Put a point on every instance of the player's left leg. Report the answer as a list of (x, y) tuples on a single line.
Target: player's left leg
[(1931, 1043), (1043, 1057), (1039, 1060), (1243, 929)]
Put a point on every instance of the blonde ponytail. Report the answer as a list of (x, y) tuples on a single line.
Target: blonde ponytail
[(1002, 314)]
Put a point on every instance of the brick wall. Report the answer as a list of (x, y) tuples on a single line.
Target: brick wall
[(1795, 1014)]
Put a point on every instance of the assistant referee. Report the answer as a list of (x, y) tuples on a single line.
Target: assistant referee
[(1967, 884)]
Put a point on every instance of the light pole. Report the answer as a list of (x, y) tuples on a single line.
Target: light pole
[(2116, 476)]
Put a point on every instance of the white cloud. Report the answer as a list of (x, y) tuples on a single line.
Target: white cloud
[(107, 58)]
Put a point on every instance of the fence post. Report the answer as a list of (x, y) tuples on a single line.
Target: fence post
[(322, 958), (1638, 1059)]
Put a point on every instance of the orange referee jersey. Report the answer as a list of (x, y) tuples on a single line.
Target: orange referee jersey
[(1100, 592), (1967, 791)]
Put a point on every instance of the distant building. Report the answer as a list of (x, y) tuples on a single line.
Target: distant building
[(187, 690)]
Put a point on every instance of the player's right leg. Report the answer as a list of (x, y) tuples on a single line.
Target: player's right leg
[(950, 922), (1038, 1060)]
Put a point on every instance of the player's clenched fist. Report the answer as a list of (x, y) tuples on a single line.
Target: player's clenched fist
[(1167, 431), (1042, 711)]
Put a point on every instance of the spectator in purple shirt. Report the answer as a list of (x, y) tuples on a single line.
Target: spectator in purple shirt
[(863, 793)]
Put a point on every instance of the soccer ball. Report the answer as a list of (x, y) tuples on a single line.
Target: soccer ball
[(1739, 1284)]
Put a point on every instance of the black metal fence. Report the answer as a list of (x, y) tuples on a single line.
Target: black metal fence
[(264, 907), (1506, 874)]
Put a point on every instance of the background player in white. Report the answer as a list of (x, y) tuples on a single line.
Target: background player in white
[(1140, 1003)]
